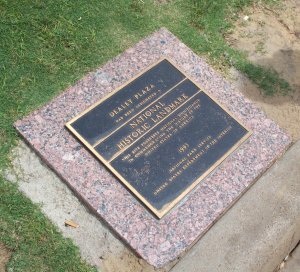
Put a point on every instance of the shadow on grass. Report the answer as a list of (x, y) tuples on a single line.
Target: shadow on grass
[(276, 75)]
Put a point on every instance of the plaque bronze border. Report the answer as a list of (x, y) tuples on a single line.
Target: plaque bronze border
[(166, 208)]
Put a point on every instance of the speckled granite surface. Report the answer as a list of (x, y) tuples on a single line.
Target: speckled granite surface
[(157, 241)]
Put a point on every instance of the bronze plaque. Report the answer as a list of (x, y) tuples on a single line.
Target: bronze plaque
[(160, 135)]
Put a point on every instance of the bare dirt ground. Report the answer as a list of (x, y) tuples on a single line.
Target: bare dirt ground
[(4, 257), (271, 37)]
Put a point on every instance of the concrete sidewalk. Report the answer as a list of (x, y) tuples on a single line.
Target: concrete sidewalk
[(256, 234), (293, 262), (259, 231)]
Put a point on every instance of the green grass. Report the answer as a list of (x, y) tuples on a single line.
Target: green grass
[(35, 242), (215, 19), (47, 45)]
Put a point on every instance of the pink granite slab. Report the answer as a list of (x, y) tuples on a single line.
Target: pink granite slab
[(157, 241)]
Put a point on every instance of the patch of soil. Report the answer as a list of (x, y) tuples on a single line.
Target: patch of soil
[(271, 37), (113, 263), (4, 257)]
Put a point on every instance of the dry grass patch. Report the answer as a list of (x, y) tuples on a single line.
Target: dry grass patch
[(4, 257)]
